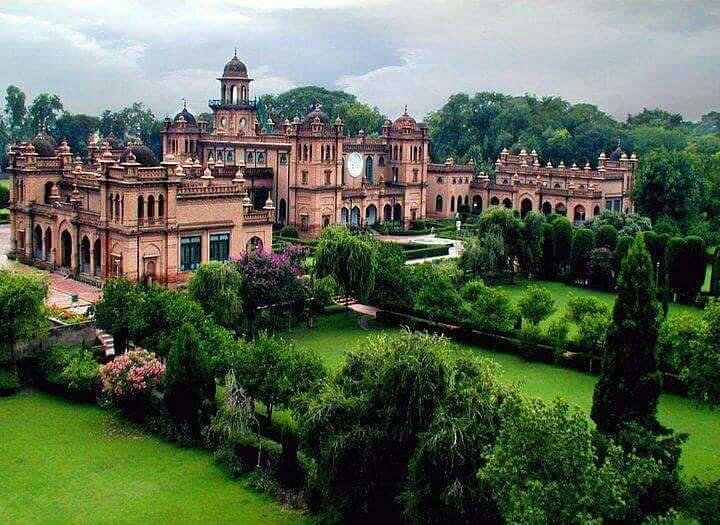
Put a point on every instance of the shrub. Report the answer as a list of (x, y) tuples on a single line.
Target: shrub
[(323, 291), (437, 299), (601, 269), (536, 304), (9, 382), (132, 375), (685, 264), (715, 279), (82, 374), (701, 500), (583, 244), (4, 196), (290, 232), (606, 237), (529, 337), (487, 308), (556, 334), (547, 264), (703, 372), (563, 241), (677, 336)]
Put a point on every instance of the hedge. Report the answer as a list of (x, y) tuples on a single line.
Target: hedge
[(9, 382), (431, 251)]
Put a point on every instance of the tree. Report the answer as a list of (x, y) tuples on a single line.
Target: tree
[(545, 468), (15, 110), (563, 241), (606, 237), (533, 237), (189, 383), (44, 112), (667, 184), (583, 244), (630, 381), (714, 279), (536, 304), (487, 308), (383, 432), (77, 130), (300, 101), (503, 223), (601, 265), (678, 336), (392, 279), (217, 288), (349, 258), (685, 266), (22, 308), (702, 372), (591, 318), (357, 116), (547, 263), (274, 371), (437, 300), (117, 310)]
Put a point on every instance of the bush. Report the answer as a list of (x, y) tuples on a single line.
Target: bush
[(677, 336), (563, 240), (715, 279), (289, 232), (536, 304), (557, 332), (529, 337), (606, 237), (132, 375), (487, 308), (4, 196), (685, 264), (82, 374), (601, 269), (323, 291), (701, 500), (583, 244), (9, 382)]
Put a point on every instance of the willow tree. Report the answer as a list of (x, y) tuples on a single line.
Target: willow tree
[(349, 258)]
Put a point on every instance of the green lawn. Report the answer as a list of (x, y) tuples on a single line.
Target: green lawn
[(63, 462), (335, 334)]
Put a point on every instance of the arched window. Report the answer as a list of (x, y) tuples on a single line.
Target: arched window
[(282, 210), (579, 215), (438, 203), (161, 206), (452, 203), (261, 158), (110, 207), (477, 204), (283, 159), (381, 161), (250, 157), (151, 207), (494, 201), (525, 207), (507, 203), (439, 180), (233, 95), (506, 181), (48, 191), (596, 211), (118, 211), (557, 186), (368, 170), (141, 207), (48, 244), (85, 255), (243, 94)]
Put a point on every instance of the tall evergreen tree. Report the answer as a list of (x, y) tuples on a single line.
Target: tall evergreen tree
[(630, 382)]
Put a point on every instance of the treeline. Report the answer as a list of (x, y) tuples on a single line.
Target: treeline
[(47, 116)]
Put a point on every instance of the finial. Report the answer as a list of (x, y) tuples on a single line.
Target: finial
[(235, 53), (184, 103), (406, 109)]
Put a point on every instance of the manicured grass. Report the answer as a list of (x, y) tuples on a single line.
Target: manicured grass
[(5, 182), (337, 333), (64, 462)]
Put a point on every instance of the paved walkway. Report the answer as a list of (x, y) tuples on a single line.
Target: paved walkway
[(61, 287), (454, 252)]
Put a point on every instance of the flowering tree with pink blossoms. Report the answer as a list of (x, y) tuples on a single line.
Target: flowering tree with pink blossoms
[(131, 376)]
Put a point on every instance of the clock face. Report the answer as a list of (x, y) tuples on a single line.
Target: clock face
[(355, 164)]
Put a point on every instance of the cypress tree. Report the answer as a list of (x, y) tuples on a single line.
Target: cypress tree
[(630, 381), (583, 243), (563, 240), (715, 279), (548, 251)]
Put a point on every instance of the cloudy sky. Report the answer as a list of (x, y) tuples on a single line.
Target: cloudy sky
[(621, 56)]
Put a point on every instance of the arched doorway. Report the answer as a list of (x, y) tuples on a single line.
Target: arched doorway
[(37, 242), (85, 255), (371, 214), (387, 213), (546, 208), (438, 203), (525, 207), (452, 203), (150, 273), (560, 209), (494, 201), (282, 210), (369, 170), (344, 216), (255, 244), (65, 249), (355, 217), (477, 204), (97, 253), (579, 213), (507, 203), (398, 213), (596, 211), (48, 244)]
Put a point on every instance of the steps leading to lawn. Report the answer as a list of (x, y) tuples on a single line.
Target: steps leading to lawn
[(106, 341)]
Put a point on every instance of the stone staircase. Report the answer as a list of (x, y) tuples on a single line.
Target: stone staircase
[(340, 299), (106, 341)]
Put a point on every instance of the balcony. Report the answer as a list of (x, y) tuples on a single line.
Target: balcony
[(216, 103)]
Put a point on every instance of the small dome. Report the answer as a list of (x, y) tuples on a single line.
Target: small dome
[(189, 117), (143, 155), (235, 68), (616, 154), (43, 147), (405, 121), (316, 113)]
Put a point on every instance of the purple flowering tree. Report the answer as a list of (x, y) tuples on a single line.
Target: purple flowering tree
[(272, 287)]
